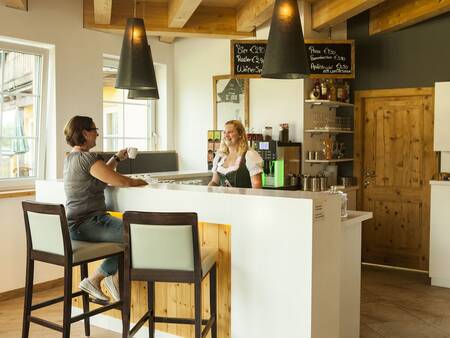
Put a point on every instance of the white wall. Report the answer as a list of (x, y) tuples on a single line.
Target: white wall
[(77, 85), (13, 249), (196, 61), (272, 101), (78, 62)]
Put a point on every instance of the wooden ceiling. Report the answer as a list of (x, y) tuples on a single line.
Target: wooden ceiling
[(236, 19)]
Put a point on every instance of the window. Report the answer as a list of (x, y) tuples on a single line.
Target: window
[(20, 115), (126, 122)]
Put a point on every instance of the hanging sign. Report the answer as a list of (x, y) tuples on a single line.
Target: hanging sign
[(327, 58), (247, 57), (331, 58)]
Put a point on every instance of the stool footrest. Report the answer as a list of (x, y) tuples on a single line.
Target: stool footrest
[(96, 311), (53, 301), (46, 323), (172, 320)]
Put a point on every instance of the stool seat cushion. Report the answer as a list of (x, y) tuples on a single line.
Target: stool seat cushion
[(209, 257), (84, 251)]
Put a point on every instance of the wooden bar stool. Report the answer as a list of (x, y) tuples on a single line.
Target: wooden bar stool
[(48, 241), (164, 247)]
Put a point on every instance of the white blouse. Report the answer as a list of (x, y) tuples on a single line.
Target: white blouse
[(253, 162)]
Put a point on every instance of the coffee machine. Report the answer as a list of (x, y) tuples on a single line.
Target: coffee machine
[(281, 160)]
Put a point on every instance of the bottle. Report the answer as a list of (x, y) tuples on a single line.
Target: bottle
[(347, 91), (316, 92), (340, 91), (323, 90), (332, 91)]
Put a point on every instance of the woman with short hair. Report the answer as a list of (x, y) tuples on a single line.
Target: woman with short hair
[(236, 164), (86, 176)]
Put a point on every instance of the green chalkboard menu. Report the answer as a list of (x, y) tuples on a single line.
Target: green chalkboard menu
[(331, 58), (327, 58)]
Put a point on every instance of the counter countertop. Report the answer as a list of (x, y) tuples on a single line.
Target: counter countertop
[(356, 217), (447, 183), (180, 174)]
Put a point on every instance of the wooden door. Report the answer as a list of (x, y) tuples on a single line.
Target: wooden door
[(395, 161)]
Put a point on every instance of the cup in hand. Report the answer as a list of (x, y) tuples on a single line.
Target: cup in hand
[(132, 152)]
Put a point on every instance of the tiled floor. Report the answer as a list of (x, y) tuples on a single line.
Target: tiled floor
[(393, 304), (402, 304)]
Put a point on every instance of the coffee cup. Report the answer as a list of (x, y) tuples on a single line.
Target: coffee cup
[(132, 152)]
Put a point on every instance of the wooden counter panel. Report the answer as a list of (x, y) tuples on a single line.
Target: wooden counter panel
[(177, 300)]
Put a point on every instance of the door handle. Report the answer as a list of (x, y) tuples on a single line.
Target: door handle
[(366, 183)]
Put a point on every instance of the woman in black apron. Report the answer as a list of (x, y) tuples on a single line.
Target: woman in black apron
[(236, 164)]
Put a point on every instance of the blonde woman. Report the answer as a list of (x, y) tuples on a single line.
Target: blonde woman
[(236, 164)]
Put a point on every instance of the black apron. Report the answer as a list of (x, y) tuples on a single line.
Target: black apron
[(239, 178)]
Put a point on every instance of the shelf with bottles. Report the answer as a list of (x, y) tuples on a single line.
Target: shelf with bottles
[(333, 160), (328, 103), (330, 92), (328, 131)]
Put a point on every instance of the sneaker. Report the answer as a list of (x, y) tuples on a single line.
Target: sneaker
[(111, 287), (93, 291)]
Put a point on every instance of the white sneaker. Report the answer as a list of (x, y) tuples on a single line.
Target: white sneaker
[(111, 287), (94, 292)]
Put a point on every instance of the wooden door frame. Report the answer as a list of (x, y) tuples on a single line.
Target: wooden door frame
[(358, 143)]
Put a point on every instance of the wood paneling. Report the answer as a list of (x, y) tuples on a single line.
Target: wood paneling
[(180, 11), (253, 13), (327, 13), (174, 299), (394, 139), (206, 21), (102, 11), (393, 15)]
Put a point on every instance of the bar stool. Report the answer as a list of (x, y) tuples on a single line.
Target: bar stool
[(48, 241), (164, 247)]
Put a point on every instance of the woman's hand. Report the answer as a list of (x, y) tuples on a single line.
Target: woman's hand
[(122, 154), (136, 182)]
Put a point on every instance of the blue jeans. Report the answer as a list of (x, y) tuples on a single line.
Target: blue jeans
[(104, 228)]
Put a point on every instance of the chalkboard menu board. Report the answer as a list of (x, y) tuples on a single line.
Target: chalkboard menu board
[(247, 57), (327, 58)]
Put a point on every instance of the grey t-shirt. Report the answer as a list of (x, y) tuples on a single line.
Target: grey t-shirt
[(84, 193)]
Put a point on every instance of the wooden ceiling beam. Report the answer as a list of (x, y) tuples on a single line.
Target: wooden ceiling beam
[(17, 4), (397, 14), (328, 13), (102, 12), (167, 39), (216, 22), (253, 13), (180, 11)]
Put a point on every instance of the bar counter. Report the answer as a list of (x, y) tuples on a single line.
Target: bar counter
[(282, 257)]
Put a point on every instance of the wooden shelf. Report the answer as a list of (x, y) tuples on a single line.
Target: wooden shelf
[(329, 131), (330, 161), (328, 103)]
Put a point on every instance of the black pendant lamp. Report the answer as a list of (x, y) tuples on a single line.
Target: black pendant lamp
[(146, 94), (135, 68), (285, 56)]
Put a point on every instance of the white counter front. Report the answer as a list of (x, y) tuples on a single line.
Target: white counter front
[(287, 252)]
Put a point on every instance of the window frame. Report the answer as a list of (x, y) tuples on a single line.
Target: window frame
[(151, 115), (8, 184)]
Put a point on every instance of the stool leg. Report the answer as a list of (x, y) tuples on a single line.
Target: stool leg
[(84, 274), (125, 289), (213, 299), (198, 309), (151, 309), (67, 300), (28, 297)]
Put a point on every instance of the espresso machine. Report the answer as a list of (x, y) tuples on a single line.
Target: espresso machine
[(281, 160)]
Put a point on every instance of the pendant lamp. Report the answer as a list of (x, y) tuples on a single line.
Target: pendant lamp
[(143, 94), (135, 68), (285, 56), (146, 94)]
